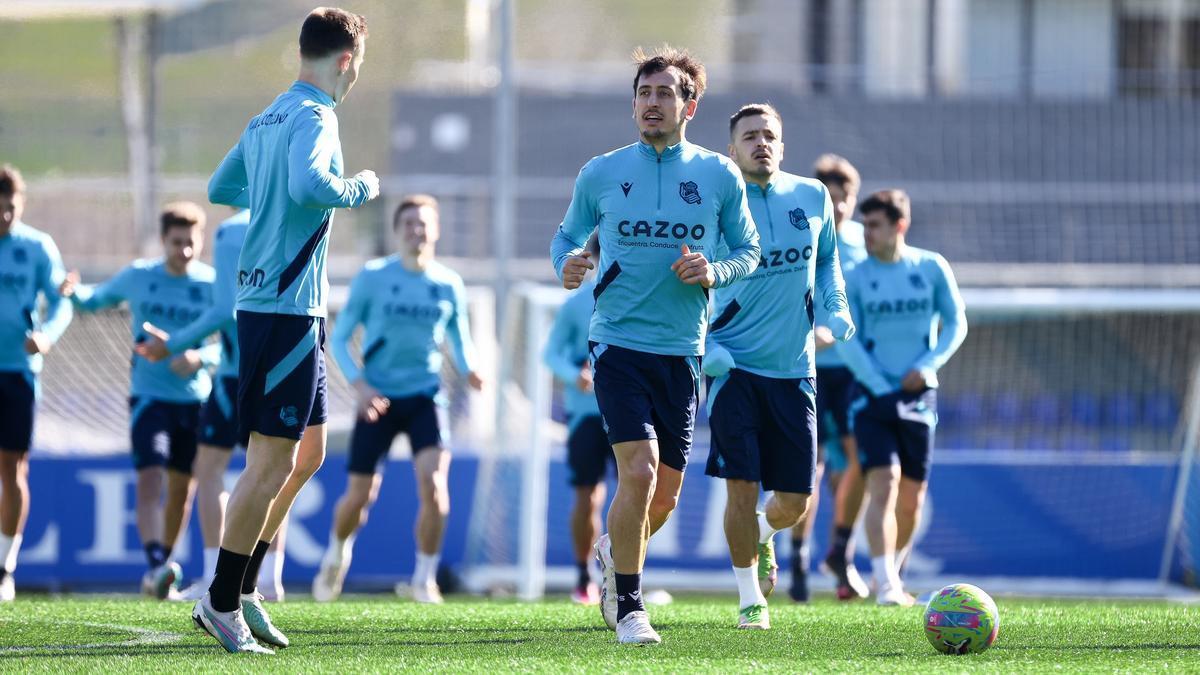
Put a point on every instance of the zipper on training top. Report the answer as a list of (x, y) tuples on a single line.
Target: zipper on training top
[(770, 220), (658, 208)]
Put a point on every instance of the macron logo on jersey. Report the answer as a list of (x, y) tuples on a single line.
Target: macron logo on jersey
[(626, 187)]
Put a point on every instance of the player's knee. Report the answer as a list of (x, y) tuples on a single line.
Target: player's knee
[(661, 505), (794, 505), (639, 476)]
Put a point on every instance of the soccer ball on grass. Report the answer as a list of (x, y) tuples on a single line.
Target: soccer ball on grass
[(961, 619)]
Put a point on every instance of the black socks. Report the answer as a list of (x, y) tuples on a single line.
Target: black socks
[(250, 579), (629, 594), (225, 591)]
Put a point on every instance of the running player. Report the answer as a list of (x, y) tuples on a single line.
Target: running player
[(588, 451), (762, 400), (31, 267), (835, 390), (662, 206), (218, 423), (898, 296), (410, 305), (164, 397), (287, 169)]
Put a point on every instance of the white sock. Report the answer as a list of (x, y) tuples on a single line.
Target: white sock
[(426, 570), (339, 549), (269, 575), (883, 569), (765, 530), (748, 591), (9, 546), (210, 562)]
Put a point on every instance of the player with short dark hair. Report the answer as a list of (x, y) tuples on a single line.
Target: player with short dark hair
[(164, 397), (410, 306), (898, 296), (218, 417), (30, 268), (762, 391), (287, 168), (837, 458), (588, 451), (661, 206)]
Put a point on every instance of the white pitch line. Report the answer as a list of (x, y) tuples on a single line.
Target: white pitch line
[(142, 636)]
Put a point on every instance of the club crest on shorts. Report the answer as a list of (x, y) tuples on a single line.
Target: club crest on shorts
[(798, 219), (689, 192), (288, 415)]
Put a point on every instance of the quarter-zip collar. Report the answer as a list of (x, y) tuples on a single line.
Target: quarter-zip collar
[(757, 189), (320, 96), (669, 153)]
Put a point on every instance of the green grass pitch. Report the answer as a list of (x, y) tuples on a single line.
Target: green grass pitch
[(367, 633)]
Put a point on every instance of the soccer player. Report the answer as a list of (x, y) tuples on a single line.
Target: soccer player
[(287, 169), (410, 306), (218, 421), (897, 296), (164, 397), (762, 400), (30, 268), (662, 206), (588, 451), (835, 392)]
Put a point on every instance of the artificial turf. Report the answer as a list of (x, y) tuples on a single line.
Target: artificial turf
[(378, 633)]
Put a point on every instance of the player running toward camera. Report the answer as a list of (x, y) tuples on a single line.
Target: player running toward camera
[(29, 267), (218, 420), (762, 398), (287, 169), (588, 451), (410, 305), (835, 391), (662, 206), (164, 397), (898, 296)]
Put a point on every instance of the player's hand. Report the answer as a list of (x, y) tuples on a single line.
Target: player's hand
[(371, 404), (823, 338), (186, 364), (914, 382), (584, 382), (693, 268), (370, 181), (67, 287), (154, 347), (717, 360), (37, 343), (575, 269), (474, 381), (841, 326)]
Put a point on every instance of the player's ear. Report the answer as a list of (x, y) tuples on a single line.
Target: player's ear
[(344, 61), (690, 109)]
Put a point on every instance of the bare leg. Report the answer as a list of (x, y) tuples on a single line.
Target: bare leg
[(14, 492), (352, 509), (665, 499), (269, 463), (432, 467), (741, 521), (585, 519), (181, 487), (309, 457), (150, 487), (628, 517), (211, 496), (909, 504)]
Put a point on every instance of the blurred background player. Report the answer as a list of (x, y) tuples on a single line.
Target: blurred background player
[(30, 267), (218, 418), (164, 397), (652, 201), (836, 453), (898, 296), (287, 169), (410, 306), (762, 400), (588, 451)]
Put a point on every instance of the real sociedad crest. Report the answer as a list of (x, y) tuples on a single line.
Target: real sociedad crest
[(798, 218), (689, 192)]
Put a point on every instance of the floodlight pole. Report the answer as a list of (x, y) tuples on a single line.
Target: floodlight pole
[(138, 50)]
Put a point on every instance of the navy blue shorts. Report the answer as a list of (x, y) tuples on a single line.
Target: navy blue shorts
[(163, 433), (18, 401), (418, 416), (897, 429), (588, 452), (764, 429), (836, 390), (281, 374), (646, 396), (218, 417)]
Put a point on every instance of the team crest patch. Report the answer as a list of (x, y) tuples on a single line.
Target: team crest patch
[(798, 218), (20, 256), (689, 192), (195, 294), (288, 415), (916, 280)]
